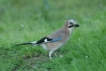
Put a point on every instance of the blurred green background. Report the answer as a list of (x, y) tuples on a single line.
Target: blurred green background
[(25, 21)]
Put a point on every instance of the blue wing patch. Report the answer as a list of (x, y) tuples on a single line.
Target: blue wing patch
[(56, 39)]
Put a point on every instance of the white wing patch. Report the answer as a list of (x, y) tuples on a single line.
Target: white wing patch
[(45, 40)]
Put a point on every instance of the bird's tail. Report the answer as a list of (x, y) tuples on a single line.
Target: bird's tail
[(28, 43)]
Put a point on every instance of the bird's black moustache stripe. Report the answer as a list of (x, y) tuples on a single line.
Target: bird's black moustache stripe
[(70, 26)]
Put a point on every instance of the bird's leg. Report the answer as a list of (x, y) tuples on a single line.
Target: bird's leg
[(50, 54)]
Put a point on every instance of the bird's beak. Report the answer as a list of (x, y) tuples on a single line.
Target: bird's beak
[(76, 25)]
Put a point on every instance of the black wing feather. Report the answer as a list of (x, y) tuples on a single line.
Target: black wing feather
[(43, 40)]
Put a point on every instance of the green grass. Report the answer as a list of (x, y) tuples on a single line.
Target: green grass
[(24, 21)]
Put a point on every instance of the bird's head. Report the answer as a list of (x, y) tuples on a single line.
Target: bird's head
[(71, 23)]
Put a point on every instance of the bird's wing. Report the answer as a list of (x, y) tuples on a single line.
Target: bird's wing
[(48, 40), (56, 39)]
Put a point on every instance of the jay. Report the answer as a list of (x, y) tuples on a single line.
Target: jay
[(57, 39)]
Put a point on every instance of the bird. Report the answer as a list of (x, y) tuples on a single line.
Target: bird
[(55, 40)]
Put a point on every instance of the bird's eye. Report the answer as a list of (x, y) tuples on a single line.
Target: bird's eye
[(71, 23)]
